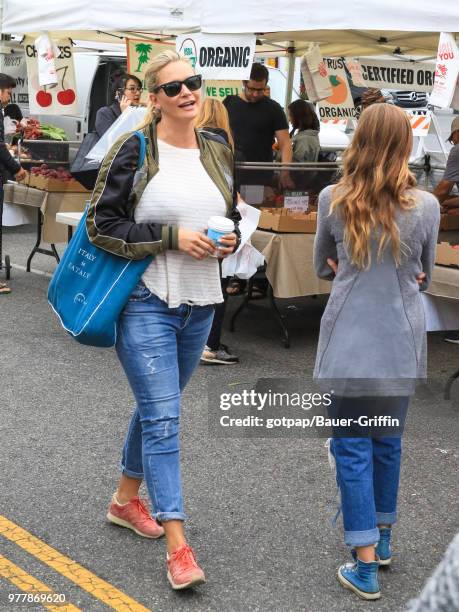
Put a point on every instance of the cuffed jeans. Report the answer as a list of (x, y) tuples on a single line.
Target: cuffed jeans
[(367, 472), (159, 348)]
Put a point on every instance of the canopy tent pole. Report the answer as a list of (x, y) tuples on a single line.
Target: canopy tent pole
[(290, 73)]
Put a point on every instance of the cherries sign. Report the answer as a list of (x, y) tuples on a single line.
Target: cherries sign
[(58, 98), (65, 97)]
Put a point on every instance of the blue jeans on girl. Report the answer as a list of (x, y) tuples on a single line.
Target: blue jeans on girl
[(159, 348), (367, 468)]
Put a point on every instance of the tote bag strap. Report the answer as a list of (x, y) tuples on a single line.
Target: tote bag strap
[(143, 148)]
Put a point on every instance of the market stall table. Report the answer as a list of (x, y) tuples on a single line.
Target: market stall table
[(47, 204)]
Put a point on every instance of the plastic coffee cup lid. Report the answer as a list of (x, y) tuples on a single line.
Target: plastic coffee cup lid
[(220, 224)]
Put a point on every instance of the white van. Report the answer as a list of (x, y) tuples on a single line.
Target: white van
[(96, 73)]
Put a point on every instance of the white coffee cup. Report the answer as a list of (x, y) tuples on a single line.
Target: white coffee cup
[(218, 227)]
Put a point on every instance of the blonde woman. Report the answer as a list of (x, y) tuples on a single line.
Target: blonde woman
[(376, 240), (214, 115), (163, 328)]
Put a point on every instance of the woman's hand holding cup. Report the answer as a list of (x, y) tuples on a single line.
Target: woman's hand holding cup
[(195, 244), (230, 242)]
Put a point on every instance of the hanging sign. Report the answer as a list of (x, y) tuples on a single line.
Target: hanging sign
[(221, 89), (139, 55), (404, 76), (446, 71), (14, 64), (218, 56), (61, 98), (340, 104)]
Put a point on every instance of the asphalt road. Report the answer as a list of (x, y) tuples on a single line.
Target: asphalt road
[(259, 509)]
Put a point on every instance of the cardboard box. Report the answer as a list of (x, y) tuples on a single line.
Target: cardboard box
[(449, 222), (55, 185), (447, 255), (284, 220), (27, 196)]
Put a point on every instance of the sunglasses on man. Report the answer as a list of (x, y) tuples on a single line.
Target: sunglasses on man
[(173, 88)]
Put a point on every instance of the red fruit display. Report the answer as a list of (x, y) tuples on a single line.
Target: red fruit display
[(44, 98), (66, 97), (58, 173)]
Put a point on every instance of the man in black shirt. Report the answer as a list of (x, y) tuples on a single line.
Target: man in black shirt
[(256, 120), (7, 162)]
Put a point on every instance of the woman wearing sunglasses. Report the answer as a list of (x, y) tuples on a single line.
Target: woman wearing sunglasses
[(162, 331), (128, 94)]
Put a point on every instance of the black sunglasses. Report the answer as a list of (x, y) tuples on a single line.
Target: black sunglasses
[(173, 88)]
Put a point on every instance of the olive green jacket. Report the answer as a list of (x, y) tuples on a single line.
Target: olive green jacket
[(110, 221)]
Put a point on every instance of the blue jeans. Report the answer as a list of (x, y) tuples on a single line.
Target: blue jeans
[(367, 470), (159, 348)]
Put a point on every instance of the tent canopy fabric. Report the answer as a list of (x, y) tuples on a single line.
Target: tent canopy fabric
[(99, 20), (350, 28), (241, 16)]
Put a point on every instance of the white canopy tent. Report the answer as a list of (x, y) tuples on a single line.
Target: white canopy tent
[(100, 21), (355, 26)]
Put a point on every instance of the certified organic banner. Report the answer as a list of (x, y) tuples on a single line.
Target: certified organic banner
[(446, 71), (221, 89), (218, 56), (52, 100), (139, 55), (340, 104), (406, 76)]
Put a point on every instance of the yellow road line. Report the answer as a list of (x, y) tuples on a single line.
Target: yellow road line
[(75, 572), (28, 584)]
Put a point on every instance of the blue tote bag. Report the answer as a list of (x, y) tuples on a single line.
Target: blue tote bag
[(90, 286)]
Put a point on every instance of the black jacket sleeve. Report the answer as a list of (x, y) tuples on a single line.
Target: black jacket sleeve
[(110, 221), (6, 160)]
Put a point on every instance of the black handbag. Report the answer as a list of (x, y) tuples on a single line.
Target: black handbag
[(85, 170)]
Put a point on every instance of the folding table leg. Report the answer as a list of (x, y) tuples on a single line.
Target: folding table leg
[(37, 249)]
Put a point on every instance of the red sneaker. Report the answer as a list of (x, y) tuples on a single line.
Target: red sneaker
[(134, 515), (183, 571)]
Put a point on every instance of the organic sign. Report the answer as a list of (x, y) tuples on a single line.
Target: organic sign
[(218, 56), (15, 66), (446, 71), (221, 89), (139, 55), (52, 100), (340, 104), (407, 76)]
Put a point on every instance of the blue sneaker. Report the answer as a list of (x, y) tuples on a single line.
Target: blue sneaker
[(361, 578), (383, 549)]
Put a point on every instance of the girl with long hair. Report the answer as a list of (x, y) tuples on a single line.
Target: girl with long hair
[(187, 177), (376, 240)]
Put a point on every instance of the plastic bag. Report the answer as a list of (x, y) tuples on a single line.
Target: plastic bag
[(126, 122)]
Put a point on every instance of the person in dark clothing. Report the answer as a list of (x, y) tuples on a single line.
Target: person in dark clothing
[(13, 112), (127, 95), (7, 162)]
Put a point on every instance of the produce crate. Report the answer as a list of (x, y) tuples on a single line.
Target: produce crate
[(284, 220), (53, 151), (52, 184)]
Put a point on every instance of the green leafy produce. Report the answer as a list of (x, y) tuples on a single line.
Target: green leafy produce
[(52, 132)]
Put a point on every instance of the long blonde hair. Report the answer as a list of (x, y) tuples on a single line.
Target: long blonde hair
[(375, 182), (214, 115), (159, 62)]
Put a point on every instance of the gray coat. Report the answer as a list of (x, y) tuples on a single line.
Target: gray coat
[(372, 334)]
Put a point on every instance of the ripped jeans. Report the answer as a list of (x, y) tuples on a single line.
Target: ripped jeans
[(159, 348)]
